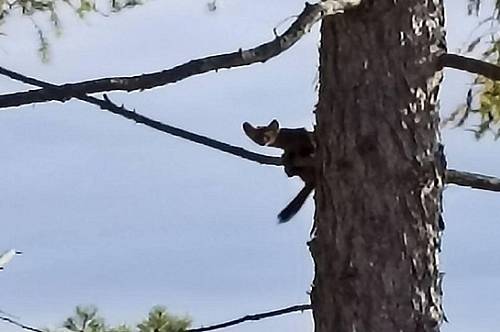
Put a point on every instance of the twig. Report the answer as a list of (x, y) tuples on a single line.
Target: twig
[(6, 314), (106, 104), (473, 180), (18, 324), (309, 16), (301, 307), (470, 65)]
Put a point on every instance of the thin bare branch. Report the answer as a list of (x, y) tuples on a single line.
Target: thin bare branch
[(20, 325), (301, 307), (178, 132), (473, 180), (106, 104), (309, 16), (470, 65)]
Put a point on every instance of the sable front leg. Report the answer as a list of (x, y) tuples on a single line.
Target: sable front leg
[(296, 165)]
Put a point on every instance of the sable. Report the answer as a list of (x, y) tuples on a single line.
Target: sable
[(297, 158)]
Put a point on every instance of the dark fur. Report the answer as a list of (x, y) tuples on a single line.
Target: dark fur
[(298, 152)]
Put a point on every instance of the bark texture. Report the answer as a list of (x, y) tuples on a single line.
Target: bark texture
[(378, 200)]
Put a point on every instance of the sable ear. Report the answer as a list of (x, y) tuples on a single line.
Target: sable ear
[(248, 128), (274, 125)]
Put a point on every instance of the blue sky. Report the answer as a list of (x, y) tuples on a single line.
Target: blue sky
[(115, 214)]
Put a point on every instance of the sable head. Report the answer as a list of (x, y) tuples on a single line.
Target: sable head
[(262, 135)]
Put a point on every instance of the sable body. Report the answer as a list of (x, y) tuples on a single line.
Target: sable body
[(298, 153)]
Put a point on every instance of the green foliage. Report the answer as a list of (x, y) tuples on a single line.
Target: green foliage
[(159, 320), (489, 107), (486, 94), (28, 7), (86, 319), (118, 5), (85, 7), (81, 7), (483, 98), (10, 8), (120, 328), (43, 49)]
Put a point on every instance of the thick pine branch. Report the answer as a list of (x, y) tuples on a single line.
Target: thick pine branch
[(309, 16), (262, 53), (473, 180), (470, 65)]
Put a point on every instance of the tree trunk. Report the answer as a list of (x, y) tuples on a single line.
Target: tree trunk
[(378, 197)]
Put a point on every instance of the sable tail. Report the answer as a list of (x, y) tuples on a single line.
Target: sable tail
[(294, 206)]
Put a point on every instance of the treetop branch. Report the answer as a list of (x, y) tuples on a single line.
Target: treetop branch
[(309, 16)]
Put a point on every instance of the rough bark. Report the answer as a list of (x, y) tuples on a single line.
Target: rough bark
[(380, 176)]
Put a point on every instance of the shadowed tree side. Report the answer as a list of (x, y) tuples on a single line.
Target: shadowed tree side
[(378, 200)]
